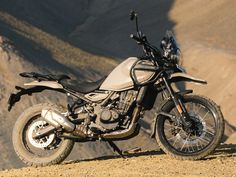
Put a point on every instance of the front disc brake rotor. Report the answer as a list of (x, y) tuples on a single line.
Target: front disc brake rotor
[(41, 142), (198, 132)]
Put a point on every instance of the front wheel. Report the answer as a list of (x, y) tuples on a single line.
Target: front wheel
[(47, 150), (208, 129)]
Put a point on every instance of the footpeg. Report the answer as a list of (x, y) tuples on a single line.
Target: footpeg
[(133, 150)]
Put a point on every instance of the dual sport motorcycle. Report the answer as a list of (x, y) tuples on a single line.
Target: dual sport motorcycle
[(186, 126)]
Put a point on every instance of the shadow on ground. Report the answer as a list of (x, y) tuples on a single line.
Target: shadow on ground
[(223, 151), (139, 154)]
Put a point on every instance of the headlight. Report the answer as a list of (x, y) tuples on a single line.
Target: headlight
[(176, 57)]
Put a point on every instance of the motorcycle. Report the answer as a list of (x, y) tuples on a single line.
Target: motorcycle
[(186, 126)]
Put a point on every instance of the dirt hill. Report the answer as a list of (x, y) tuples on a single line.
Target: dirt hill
[(87, 38)]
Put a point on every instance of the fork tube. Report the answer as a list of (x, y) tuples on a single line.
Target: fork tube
[(179, 105), (141, 95)]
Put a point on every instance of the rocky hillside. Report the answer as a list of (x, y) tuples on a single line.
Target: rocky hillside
[(8, 59)]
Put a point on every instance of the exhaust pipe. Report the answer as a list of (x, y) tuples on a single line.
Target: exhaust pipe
[(127, 132), (57, 120)]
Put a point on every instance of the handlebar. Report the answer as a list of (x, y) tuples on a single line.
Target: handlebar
[(132, 36), (151, 52), (149, 49)]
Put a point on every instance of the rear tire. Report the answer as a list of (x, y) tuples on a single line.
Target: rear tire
[(168, 145), (20, 139)]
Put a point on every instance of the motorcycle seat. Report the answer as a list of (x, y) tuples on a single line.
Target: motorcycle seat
[(82, 87), (45, 77)]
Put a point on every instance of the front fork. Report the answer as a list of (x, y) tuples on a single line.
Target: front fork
[(184, 116)]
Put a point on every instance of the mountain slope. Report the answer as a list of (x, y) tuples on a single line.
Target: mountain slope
[(208, 23), (205, 30)]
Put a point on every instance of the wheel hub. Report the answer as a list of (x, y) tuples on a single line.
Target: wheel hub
[(198, 126), (42, 142), (190, 134)]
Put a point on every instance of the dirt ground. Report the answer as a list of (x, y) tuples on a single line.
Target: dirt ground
[(221, 163)]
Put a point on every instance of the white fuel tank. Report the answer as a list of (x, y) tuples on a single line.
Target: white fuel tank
[(119, 79)]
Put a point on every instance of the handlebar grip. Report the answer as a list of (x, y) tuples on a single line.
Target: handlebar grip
[(135, 37)]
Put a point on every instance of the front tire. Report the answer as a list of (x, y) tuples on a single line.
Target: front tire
[(48, 150), (209, 121)]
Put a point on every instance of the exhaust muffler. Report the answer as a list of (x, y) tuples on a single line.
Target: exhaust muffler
[(57, 120)]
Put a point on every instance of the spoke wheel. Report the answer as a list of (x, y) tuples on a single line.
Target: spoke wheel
[(47, 150), (205, 135)]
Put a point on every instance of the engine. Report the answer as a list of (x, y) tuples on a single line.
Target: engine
[(126, 100), (109, 117), (114, 114)]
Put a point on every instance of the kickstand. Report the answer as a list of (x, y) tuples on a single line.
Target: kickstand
[(116, 148)]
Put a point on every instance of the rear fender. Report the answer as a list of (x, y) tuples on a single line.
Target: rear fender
[(39, 86), (49, 84)]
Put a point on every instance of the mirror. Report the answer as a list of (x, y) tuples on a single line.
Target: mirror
[(132, 15)]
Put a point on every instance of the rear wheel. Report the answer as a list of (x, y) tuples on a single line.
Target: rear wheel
[(208, 129), (47, 150)]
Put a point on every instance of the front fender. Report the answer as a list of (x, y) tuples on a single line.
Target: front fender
[(162, 112), (177, 77)]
